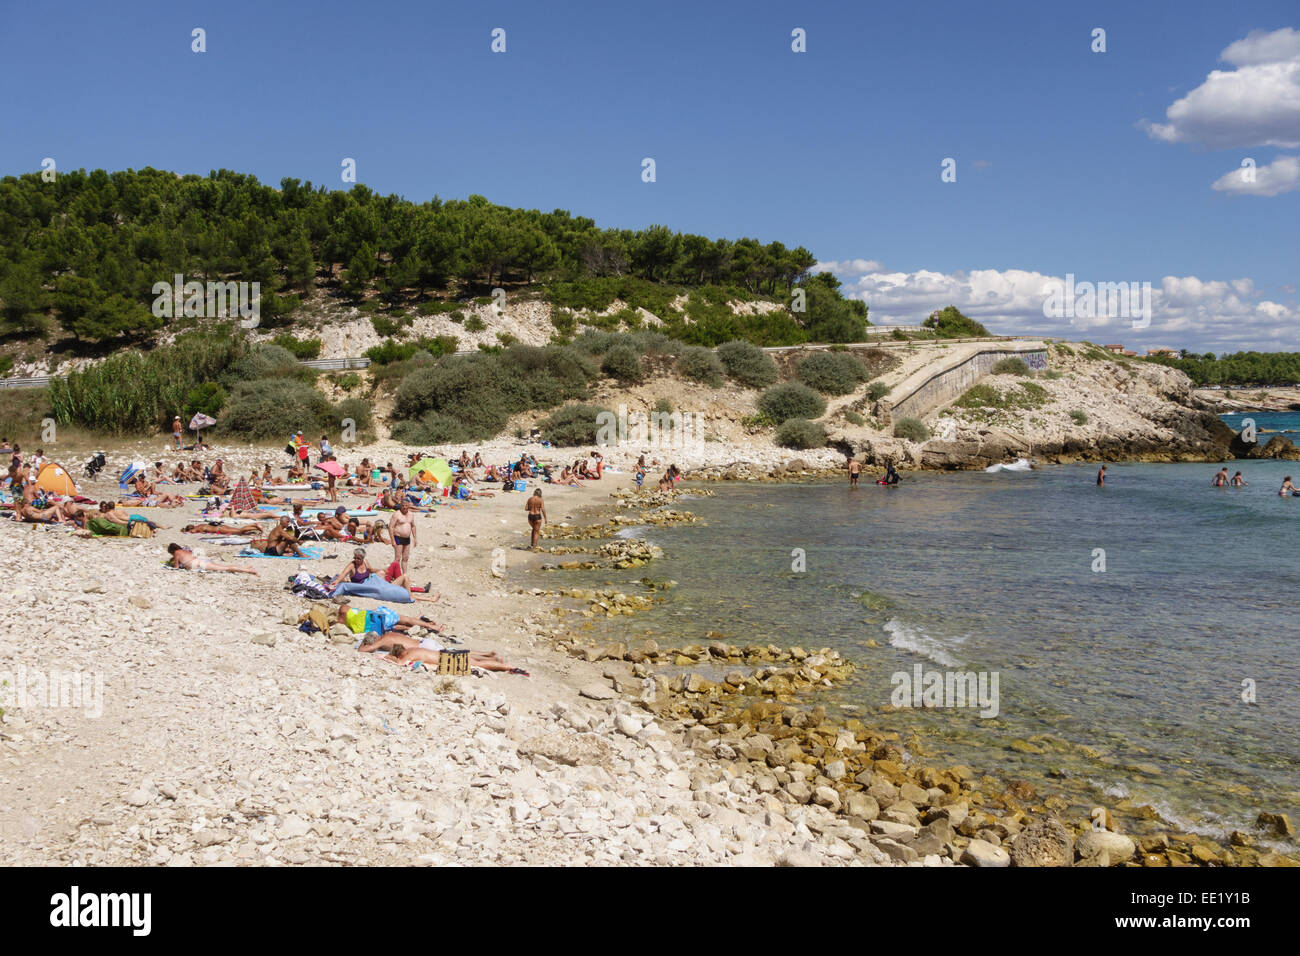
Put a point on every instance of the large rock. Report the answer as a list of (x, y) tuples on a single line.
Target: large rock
[(1044, 843), (1117, 846), (981, 853)]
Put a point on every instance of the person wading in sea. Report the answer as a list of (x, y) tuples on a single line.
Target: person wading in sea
[(855, 469), (1101, 477), (536, 515)]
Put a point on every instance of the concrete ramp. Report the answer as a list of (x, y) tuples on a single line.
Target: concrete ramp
[(945, 379)]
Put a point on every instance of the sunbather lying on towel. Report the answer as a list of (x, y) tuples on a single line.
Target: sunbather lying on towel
[(407, 650), (382, 620), (208, 527), (185, 558)]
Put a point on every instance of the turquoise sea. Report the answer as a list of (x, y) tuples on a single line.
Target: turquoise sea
[(1145, 634)]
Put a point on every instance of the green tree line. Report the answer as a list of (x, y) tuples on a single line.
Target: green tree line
[(85, 250), (1238, 368)]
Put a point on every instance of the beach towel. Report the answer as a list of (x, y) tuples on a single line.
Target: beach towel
[(308, 552), (242, 498), (106, 529)]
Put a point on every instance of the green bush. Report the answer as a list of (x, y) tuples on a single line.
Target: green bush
[(832, 373), (348, 381), (747, 364), (573, 425), (877, 390), (391, 351), (664, 406), (383, 326), (474, 324), (1080, 417), (1011, 366), (800, 433), (301, 349), (433, 428), (791, 400), (274, 408), (622, 363), (912, 429), (264, 361), (853, 418), (208, 398), (701, 365), (357, 409)]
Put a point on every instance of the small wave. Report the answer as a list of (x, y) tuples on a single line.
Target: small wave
[(914, 639), (1020, 464)]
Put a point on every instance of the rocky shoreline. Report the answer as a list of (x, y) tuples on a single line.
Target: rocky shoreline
[(759, 722)]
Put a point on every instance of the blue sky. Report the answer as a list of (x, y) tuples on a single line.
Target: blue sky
[(837, 149)]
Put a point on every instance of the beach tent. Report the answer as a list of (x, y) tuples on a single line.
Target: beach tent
[(431, 469), (128, 475), (54, 480), (242, 499)]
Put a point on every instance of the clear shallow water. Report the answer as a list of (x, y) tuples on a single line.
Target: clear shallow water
[(1134, 673)]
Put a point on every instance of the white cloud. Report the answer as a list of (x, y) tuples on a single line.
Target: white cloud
[(1280, 176), (1257, 104), (1187, 311)]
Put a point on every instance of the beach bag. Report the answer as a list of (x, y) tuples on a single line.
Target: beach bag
[(316, 619), (140, 529), (453, 663)]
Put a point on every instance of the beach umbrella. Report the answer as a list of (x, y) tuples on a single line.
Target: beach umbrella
[(200, 421), (330, 468), (129, 473), (436, 468)]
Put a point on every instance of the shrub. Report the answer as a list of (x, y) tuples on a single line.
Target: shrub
[(474, 324), (747, 364), (1011, 366), (458, 316), (383, 326), (264, 361), (208, 398), (391, 351), (664, 406), (853, 418), (573, 425), (1080, 417), (701, 365), (800, 433), (273, 408), (832, 373), (623, 364), (433, 428), (791, 400), (912, 429), (357, 409), (348, 382), (877, 390)]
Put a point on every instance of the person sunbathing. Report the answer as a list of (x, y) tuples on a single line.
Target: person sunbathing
[(382, 620), (358, 571), (182, 557), (55, 513), (279, 542), (405, 651), (211, 527)]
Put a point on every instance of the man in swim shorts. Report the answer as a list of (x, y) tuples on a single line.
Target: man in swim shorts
[(855, 470), (402, 526), (183, 557)]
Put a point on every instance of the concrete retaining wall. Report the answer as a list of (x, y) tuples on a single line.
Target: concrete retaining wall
[(920, 394)]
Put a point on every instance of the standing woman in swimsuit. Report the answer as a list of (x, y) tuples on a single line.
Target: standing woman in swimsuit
[(403, 529)]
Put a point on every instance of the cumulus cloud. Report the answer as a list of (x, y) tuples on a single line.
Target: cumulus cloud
[(1280, 176), (1186, 311), (1256, 104)]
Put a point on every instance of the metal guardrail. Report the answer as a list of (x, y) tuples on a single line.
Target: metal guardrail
[(40, 381), (337, 365)]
